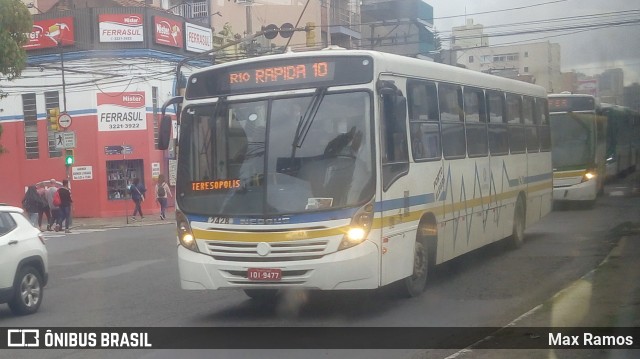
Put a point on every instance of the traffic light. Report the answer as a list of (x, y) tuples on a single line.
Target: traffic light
[(68, 157), (52, 118), (310, 29)]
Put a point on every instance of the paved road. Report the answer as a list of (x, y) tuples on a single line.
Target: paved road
[(129, 277)]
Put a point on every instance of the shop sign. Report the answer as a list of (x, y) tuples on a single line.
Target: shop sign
[(118, 150), (155, 169), (121, 27), (82, 173), (122, 111), (168, 32), (173, 172), (50, 33), (198, 38)]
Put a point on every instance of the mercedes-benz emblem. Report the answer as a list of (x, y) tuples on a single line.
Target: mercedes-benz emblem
[(263, 249)]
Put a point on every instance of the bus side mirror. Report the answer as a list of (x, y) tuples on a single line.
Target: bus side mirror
[(164, 132)]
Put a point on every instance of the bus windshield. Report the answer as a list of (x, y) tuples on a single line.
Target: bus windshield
[(572, 139), (255, 158)]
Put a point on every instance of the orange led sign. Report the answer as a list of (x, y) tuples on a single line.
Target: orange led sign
[(215, 185)]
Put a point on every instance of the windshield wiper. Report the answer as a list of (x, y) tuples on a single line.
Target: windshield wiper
[(306, 120)]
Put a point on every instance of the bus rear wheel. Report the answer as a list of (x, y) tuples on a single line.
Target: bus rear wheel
[(517, 237), (414, 285)]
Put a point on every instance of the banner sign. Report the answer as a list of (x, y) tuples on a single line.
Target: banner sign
[(121, 27), (198, 38), (167, 32), (50, 33), (470, 338), (122, 111)]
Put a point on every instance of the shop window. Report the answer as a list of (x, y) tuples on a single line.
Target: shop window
[(52, 100), (120, 175), (30, 126)]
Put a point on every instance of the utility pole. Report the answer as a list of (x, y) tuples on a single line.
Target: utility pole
[(64, 84)]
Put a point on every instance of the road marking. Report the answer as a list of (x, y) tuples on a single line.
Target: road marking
[(61, 233)]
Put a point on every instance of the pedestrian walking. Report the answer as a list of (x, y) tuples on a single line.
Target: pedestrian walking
[(32, 203), (65, 206), (54, 209), (162, 193), (44, 210), (137, 191)]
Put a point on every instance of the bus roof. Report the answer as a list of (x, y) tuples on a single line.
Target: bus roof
[(408, 66)]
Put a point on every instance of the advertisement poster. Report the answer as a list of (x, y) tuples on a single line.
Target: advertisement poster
[(50, 33), (168, 32), (122, 111), (121, 27), (198, 38)]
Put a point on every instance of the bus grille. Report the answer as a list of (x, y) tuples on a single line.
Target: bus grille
[(280, 251)]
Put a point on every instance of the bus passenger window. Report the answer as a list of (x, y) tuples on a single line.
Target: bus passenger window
[(475, 122), (498, 136), (542, 116), (451, 115), (517, 141), (530, 123), (424, 120)]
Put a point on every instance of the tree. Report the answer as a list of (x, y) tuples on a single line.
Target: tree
[(15, 24)]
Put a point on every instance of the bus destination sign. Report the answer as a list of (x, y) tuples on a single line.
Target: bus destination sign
[(280, 75), (571, 103), (294, 73)]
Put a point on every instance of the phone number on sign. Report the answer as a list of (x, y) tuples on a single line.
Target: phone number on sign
[(119, 126)]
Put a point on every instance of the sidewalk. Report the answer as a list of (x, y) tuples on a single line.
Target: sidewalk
[(122, 221)]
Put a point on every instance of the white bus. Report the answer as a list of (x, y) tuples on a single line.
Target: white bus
[(578, 137), (346, 169)]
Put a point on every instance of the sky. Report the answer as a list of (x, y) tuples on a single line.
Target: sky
[(589, 39)]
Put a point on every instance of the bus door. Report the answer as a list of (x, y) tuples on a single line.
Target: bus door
[(396, 244)]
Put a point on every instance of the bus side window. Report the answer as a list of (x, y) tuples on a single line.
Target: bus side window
[(530, 122), (498, 136), (517, 142), (452, 117), (424, 120), (544, 131), (475, 122)]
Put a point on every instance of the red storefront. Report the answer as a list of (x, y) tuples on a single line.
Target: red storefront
[(113, 128)]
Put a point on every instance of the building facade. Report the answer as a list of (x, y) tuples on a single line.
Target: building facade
[(468, 36), (109, 70), (537, 63), (403, 27)]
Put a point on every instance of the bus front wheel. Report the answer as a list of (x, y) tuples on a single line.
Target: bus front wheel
[(413, 285)]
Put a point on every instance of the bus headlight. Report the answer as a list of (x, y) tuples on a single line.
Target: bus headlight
[(185, 235), (359, 228), (588, 176)]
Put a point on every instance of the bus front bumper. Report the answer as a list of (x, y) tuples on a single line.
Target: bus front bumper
[(585, 191), (353, 268)]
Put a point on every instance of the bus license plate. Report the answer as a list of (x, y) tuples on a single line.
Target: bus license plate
[(264, 274)]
